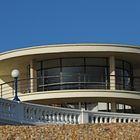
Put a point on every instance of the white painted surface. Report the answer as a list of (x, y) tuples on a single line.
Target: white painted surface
[(25, 113)]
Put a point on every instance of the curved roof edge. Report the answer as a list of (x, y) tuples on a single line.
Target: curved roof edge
[(64, 45)]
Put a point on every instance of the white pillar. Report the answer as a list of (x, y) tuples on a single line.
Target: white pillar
[(33, 81), (84, 117), (120, 120), (105, 120), (96, 119), (112, 72), (74, 119)]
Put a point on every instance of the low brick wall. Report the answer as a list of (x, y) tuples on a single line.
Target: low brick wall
[(72, 132)]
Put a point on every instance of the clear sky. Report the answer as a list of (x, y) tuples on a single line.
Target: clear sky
[(25, 23)]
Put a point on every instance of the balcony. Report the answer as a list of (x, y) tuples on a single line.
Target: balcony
[(70, 82)]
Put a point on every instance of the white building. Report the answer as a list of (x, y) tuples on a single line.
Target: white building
[(95, 77)]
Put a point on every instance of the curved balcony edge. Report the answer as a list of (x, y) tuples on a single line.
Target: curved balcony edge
[(83, 94)]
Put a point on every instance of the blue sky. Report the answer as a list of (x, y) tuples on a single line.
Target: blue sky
[(37, 22)]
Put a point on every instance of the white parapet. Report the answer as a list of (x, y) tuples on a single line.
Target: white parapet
[(26, 113)]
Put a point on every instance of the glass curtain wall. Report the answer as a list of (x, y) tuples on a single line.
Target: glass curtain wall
[(73, 73), (123, 75)]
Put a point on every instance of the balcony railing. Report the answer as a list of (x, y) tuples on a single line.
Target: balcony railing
[(27, 86), (12, 112)]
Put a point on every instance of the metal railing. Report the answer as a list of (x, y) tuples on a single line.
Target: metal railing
[(27, 86)]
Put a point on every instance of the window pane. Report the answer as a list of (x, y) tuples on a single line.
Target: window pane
[(95, 74), (52, 72), (38, 65), (123, 74), (119, 72), (52, 80), (72, 70), (70, 86), (39, 73), (119, 80), (119, 63), (127, 66), (72, 62), (51, 63), (126, 73), (40, 81), (56, 87), (127, 81), (73, 78), (96, 61), (72, 74)]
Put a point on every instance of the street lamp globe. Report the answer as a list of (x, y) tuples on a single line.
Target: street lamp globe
[(15, 73)]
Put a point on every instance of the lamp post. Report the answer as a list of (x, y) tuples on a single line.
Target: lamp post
[(15, 74)]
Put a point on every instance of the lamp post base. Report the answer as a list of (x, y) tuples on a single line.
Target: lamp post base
[(16, 98)]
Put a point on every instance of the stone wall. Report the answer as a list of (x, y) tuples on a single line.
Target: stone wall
[(72, 132)]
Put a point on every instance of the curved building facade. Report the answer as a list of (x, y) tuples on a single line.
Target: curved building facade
[(97, 77)]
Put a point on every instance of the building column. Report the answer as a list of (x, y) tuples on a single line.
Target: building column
[(112, 72), (33, 81)]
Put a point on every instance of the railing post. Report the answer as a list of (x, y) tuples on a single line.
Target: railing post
[(96, 119), (74, 119), (105, 120), (84, 117), (20, 112)]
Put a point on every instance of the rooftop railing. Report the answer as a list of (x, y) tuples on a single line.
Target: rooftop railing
[(40, 84)]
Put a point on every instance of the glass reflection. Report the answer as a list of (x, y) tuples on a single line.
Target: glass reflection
[(73, 73), (123, 75)]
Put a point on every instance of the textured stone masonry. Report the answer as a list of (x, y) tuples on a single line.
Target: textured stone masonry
[(112, 131)]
